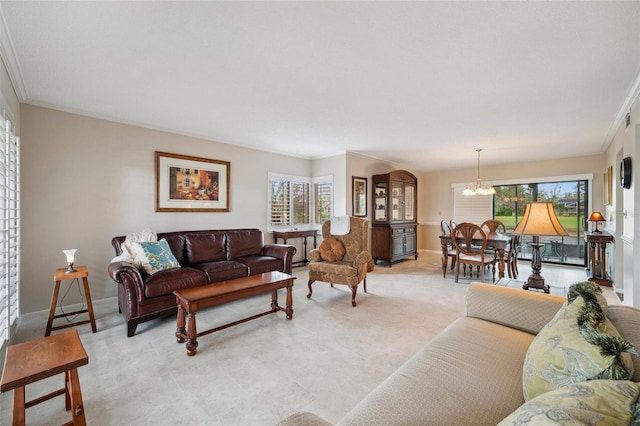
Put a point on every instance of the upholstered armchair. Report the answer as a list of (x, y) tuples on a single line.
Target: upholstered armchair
[(352, 269)]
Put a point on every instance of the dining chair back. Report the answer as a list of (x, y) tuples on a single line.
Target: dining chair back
[(470, 242), (512, 257), (451, 251), (493, 225)]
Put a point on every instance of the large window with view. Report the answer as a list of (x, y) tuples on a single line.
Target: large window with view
[(296, 201), (570, 202)]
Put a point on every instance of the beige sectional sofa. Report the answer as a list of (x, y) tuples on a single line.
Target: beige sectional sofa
[(470, 373)]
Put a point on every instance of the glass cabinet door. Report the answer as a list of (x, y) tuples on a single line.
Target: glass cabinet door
[(396, 202), (380, 202), (409, 203)]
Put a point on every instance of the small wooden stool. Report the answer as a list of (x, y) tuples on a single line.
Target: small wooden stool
[(41, 358), (60, 275)]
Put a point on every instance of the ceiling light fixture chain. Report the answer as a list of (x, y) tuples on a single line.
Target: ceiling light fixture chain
[(478, 188)]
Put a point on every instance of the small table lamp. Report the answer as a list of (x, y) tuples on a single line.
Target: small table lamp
[(70, 253), (539, 219), (596, 217)]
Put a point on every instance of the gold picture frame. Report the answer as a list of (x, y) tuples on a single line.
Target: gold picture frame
[(608, 186), (359, 205), (191, 184)]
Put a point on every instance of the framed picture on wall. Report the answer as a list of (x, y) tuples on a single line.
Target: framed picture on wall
[(191, 184), (359, 206), (608, 186)]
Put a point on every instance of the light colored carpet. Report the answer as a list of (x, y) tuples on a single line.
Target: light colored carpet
[(324, 360)]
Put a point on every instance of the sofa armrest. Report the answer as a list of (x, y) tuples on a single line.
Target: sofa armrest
[(281, 251), (516, 308), (129, 276)]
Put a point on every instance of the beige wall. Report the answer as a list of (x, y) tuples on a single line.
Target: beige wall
[(86, 180), (436, 193)]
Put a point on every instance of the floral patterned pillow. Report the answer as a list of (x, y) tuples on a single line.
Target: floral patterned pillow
[(157, 256), (596, 402), (578, 344)]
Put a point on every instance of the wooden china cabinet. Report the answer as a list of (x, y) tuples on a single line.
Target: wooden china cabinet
[(395, 224)]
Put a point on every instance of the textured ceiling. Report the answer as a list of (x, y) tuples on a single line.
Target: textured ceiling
[(418, 83)]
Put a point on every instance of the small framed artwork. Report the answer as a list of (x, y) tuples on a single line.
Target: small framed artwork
[(608, 186), (191, 184), (359, 196)]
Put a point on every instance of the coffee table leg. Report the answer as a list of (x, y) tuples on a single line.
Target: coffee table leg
[(192, 342), (289, 310), (274, 301), (181, 331)]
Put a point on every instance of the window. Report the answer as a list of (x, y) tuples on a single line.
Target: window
[(291, 203), (9, 226), (569, 198)]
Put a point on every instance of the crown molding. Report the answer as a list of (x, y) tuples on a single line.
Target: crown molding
[(8, 55), (622, 113)]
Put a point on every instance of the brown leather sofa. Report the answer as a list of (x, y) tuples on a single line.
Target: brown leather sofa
[(205, 257)]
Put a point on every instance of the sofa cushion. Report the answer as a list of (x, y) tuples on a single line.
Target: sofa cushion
[(596, 402), (222, 271), (167, 281), (465, 369), (156, 256), (243, 242), (578, 344), (259, 264), (332, 249), (205, 247)]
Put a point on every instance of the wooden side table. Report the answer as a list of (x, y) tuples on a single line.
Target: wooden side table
[(38, 359), (285, 235), (597, 270), (60, 275)]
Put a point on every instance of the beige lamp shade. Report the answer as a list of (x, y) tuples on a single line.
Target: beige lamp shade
[(540, 219)]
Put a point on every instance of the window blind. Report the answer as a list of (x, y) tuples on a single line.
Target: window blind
[(471, 208), (292, 203), (9, 227)]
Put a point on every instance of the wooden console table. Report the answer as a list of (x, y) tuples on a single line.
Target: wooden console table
[(285, 235), (597, 270)]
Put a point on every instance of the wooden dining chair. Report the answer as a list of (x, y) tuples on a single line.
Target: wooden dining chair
[(512, 257), (490, 226), (493, 225), (472, 253), (451, 251)]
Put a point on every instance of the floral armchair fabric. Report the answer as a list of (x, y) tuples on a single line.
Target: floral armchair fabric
[(352, 269)]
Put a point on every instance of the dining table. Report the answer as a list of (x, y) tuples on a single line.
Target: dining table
[(495, 241)]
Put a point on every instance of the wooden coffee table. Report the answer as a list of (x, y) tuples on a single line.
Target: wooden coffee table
[(191, 300)]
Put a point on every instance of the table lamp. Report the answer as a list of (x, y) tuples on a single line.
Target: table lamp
[(539, 219), (596, 217), (70, 253)]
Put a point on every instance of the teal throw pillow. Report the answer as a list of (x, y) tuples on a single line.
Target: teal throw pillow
[(157, 256)]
